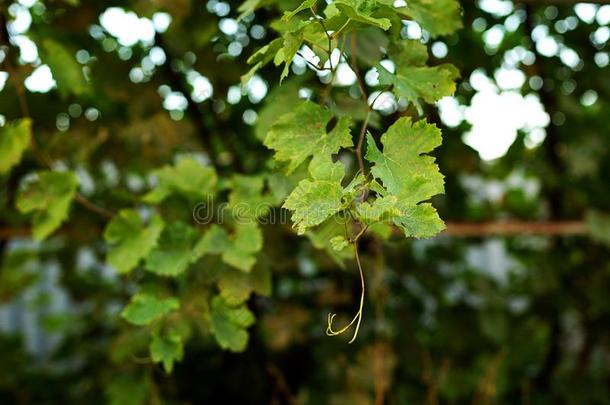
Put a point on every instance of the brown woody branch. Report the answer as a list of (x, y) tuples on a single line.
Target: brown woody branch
[(515, 228), (456, 229), (552, 2)]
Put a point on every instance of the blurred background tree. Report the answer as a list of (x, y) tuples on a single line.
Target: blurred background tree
[(508, 305)]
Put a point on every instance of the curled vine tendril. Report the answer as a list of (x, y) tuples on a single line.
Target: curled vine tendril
[(358, 317)]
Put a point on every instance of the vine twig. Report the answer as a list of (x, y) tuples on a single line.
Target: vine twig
[(358, 317)]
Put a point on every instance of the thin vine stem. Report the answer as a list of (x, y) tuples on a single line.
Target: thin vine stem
[(336, 33), (328, 36), (365, 124), (313, 65), (358, 317)]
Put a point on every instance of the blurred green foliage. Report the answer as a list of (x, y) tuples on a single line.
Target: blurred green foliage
[(132, 123)]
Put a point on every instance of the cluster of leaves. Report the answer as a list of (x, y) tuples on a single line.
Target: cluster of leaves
[(391, 188), (165, 246), (184, 279)]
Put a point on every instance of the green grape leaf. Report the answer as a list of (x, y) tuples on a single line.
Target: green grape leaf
[(304, 6), (247, 241), (300, 134), (167, 349), (229, 324), (15, 138), (49, 195), (291, 45), (247, 199), (339, 243), (438, 17), (262, 57), (281, 100), (130, 240), (66, 71), (429, 84), (420, 221), (236, 286), (383, 230), (214, 241), (408, 175), (188, 178), (408, 52), (145, 308), (364, 11), (294, 35), (382, 208), (238, 250), (250, 6), (126, 389), (317, 199), (321, 236), (174, 252)]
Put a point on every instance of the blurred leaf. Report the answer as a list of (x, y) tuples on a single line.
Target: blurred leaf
[(174, 251), (15, 138), (66, 71), (188, 178), (127, 389), (247, 241), (146, 307), (214, 241), (130, 240), (167, 348), (17, 272), (49, 195), (229, 324), (598, 224), (439, 17), (236, 286)]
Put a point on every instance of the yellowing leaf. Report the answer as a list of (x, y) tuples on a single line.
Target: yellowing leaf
[(301, 134)]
